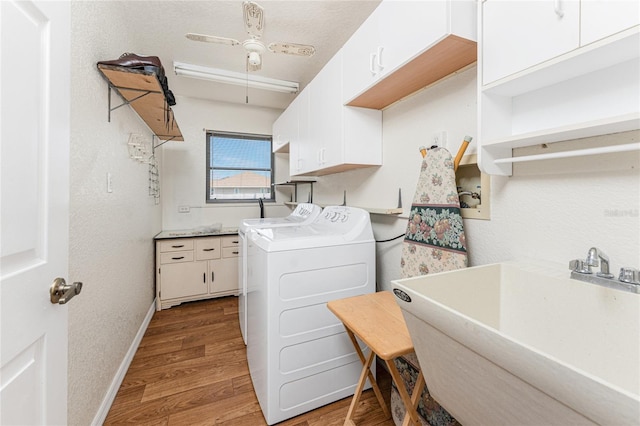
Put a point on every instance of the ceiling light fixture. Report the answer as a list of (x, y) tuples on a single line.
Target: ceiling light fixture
[(236, 78)]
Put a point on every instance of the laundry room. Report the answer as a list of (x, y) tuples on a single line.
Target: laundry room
[(412, 169)]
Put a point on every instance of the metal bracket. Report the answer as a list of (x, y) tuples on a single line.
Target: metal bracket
[(126, 102), (160, 144)]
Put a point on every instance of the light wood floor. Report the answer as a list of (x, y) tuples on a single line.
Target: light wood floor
[(191, 369)]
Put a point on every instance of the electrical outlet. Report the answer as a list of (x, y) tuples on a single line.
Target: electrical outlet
[(184, 209)]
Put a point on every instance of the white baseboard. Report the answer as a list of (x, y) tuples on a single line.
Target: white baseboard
[(101, 415)]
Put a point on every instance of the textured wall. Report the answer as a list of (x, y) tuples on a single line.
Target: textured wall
[(111, 249)]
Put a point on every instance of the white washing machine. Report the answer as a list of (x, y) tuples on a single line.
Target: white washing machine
[(299, 354), (303, 214)]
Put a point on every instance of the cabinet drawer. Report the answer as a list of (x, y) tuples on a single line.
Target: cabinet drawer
[(230, 251), (176, 257), (207, 248), (231, 241), (176, 245)]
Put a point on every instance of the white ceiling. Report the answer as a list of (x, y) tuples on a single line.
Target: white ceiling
[(161, 27)]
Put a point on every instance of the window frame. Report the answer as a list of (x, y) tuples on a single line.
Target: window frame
[(208, 168)]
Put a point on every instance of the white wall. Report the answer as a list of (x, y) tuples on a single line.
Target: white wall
[(183, 173), (552, 211), (110, 234)]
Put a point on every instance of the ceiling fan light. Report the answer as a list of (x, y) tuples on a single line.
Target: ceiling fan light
[(254, 58)]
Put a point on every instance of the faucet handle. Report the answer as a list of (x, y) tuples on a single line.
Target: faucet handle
[(629, 275), (580, 266)]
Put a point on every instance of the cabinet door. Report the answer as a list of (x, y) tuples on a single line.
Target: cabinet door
[(360, 68), (325, 109), (408, 27), (285, 128), (602, 18), (519, 34), (223, 275), (304, 160), (183, 279)]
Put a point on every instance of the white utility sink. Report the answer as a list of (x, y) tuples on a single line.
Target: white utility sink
[(516, 343)]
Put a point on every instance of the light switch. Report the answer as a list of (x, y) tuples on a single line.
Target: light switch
[(109, 183)]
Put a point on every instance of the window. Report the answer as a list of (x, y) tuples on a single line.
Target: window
[(239, 167)]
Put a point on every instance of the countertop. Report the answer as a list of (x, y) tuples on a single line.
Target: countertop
[(194, 233)]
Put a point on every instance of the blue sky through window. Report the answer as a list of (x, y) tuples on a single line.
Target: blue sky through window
[(240, 153)]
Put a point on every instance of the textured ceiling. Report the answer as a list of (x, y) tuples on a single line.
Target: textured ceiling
[(161, 27)]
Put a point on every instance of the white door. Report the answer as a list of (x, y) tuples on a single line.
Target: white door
[(34, 208)]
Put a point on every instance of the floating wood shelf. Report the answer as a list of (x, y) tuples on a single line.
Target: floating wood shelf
[(143, 92), (446, 57), (394, 211)]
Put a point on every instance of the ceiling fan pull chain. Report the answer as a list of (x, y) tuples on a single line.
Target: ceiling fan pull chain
[(247, 87)]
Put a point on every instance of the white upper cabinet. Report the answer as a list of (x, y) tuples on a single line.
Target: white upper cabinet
[(326, 109), (602, 18), (552, 71), (407, 27), (519, 34), (285, 129), (339, 138), (361, 66), (406, 45), (299, 145)]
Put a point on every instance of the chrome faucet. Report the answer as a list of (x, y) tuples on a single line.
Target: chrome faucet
[(593, 258), (629, 279)]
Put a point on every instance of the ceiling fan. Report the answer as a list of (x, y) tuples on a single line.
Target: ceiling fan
[(254, 24)]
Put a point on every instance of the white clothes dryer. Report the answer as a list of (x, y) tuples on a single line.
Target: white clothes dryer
[(303, 214), (299, 354)]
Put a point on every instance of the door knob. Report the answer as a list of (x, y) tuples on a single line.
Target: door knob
[(61, 292)]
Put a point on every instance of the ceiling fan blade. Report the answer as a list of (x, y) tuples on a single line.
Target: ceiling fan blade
[(212, 39), (253, 19), (292, 49)]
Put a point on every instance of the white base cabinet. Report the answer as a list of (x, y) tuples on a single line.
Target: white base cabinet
[(190, 269)]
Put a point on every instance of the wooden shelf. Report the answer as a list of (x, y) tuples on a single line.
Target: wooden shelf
[(446, 57), (143, 92), (372, 210)]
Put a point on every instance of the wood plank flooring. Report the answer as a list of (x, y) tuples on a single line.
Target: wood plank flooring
[(191, 369)]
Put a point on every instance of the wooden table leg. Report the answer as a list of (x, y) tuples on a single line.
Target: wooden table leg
[(415, 397), (358, 392), (412, 414), (374, 384)]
